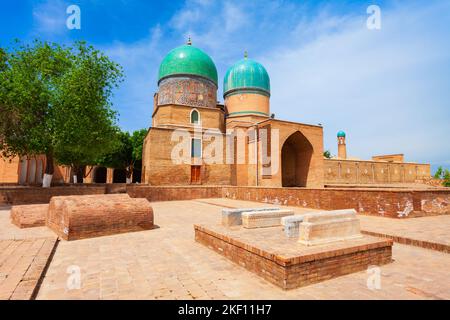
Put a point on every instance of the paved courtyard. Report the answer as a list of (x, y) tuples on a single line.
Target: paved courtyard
[(166, 263)]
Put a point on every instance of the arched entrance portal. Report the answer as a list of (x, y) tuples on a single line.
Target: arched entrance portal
[(119, 176), (295, 160), (100, 175)]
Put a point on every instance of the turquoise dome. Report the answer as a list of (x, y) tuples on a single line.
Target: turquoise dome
[(246, 75), (188, 60), (341, 134)]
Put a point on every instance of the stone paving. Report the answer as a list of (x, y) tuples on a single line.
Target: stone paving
[(22, 263), (434, 229), (167, 263), (9, 231)]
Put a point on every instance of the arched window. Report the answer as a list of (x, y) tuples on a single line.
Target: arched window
[(195, 117)]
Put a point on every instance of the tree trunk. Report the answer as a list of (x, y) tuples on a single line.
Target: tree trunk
[(49, 170), (129, 173)]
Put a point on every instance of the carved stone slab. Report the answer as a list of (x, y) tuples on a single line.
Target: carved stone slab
[(329, 226), (264, 219)]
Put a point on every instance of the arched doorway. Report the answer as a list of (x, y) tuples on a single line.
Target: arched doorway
[(119, 176), (295, 160), (100, 175)]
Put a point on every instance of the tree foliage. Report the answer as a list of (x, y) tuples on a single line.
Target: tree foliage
[(128, 151), (327, 154), (444, 175), (56, 100), (85, 124)]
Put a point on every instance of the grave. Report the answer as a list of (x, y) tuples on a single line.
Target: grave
[(264, 219), (329, 226), (327, 245), (233, 217), (80, 217), (29, 216)]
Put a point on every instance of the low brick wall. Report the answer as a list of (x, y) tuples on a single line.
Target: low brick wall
[(17, 195), (379, 202), (163, 193), (392, 203), (305, 268)]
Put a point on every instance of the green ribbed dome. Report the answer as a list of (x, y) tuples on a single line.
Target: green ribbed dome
[(246, 74), (188, 60), (341, 134)]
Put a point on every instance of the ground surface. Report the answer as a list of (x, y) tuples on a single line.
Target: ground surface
[(21, 264), (167, 263), (434, 229)]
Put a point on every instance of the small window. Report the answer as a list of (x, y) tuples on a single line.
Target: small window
[(195, 117), (196, 148)]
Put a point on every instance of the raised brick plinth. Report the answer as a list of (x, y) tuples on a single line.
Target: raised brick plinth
[(79, 217), (29, 216), (288, 264)]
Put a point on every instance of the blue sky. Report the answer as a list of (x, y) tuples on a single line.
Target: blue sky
[(389, 89)]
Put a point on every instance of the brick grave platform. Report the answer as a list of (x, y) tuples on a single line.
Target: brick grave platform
[(287, 263), (81, 217), (29, 216)]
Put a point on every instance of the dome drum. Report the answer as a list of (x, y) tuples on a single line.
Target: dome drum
[(190, 91)]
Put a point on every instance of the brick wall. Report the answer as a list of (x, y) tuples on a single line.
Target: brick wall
[(162, 193), (32, 195), (366, 172), (380, 202)]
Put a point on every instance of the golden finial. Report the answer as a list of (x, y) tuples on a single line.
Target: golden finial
[(245, 54), (189, 42)]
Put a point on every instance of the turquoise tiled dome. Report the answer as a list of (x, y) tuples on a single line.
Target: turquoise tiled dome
[(188, 60), (248, 75), (341, 134)]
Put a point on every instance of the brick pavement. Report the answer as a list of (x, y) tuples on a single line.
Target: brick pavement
[(22, 263), (166, 263)]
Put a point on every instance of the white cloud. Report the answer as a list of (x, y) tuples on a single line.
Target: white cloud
[(383, 87), (50, 18)]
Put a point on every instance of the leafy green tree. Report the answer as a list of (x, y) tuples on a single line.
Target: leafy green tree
[(55, 100), (439, 172), (443, 175), (446, 178), (128, 152), (85, 124), (327, 154)]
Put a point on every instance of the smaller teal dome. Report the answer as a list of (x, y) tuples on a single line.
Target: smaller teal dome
[(341, 134), (246, 74)]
